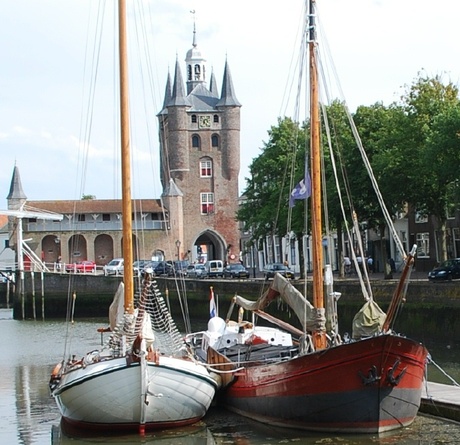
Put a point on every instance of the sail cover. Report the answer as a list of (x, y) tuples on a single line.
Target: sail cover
[(284, 289)]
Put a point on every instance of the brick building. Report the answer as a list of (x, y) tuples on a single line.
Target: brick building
[(199, 132)]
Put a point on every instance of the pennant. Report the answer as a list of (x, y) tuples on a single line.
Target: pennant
[(212, 304), (302, 190)]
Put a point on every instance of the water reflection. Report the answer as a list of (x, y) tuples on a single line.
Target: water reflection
[(197, 434), (221, 427)]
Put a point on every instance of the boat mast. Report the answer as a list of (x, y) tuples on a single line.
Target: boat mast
[(316, 206), (125, 161)]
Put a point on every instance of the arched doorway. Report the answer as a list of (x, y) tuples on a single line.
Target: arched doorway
[(77, 248), (103, 249), (209, 245), (135, 247), (51, 249)]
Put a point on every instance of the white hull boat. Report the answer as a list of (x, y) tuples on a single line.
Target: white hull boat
[(160, 393)]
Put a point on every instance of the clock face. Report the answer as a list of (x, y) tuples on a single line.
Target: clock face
[(205, 121)]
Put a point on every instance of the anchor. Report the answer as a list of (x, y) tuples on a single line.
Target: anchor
[(391, 378), (372, 376)]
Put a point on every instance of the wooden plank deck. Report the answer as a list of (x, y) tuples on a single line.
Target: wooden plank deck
[(441, 401)]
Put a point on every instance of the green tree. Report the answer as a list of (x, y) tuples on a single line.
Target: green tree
[(264, 210), (433, 128)]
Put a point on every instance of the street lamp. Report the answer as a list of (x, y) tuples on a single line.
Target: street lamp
[(178, 249)]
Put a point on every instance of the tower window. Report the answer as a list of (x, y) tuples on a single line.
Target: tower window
[(194, 120), (206, 168), (215, 141), (216, 118), (207, 203), (196, 141), (189, 72)]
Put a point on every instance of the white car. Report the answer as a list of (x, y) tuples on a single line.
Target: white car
[(115, 267)]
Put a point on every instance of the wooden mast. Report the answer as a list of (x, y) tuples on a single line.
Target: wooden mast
[(319, 335), (125, 161)]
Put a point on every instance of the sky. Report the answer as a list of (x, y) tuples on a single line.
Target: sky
[(378, 48)]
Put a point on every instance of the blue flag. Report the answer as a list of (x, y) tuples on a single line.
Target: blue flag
[(302, 190)]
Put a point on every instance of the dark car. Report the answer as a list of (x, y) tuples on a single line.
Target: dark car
[(236, 271), (163, 268), (271, 269), (180, 267), (446, 271)]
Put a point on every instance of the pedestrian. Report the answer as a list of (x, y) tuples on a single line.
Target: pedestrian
[(370, 264), (347, 265)]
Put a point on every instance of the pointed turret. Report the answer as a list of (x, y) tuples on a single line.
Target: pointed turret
[(16, 191), (178, 97), (228, 98), (167, 98), (172, 189), (213, 85)]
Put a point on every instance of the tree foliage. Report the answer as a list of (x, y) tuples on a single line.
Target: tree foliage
[(413, 147)]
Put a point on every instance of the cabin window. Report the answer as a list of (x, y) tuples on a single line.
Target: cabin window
[(206, 168), (106, 217), (207, 203), (81, 217), (194, 119), (423, 245), (216, 118), (215, 141), (196, 141)]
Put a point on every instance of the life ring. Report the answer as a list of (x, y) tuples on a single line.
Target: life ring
[(232, 256)]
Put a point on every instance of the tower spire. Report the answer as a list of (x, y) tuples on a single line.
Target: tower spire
[(194, 28)]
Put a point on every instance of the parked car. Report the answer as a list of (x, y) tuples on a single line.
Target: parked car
[(214, 268), (271, 269), (115, 267), (81, 267), (446, 271), (196, 271), (163, 268), (139, 265), (236, 270), (180, 267)]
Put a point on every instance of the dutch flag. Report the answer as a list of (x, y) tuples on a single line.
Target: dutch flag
[(212, 304)]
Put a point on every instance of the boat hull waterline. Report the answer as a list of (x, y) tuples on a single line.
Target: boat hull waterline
[(112, 393), (369, 386)]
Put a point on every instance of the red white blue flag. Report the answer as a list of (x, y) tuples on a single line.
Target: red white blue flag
[(212, 304)]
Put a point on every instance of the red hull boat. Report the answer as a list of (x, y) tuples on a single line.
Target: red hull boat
[(368, 386)]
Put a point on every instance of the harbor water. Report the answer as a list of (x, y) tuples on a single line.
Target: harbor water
[(29, 415)]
